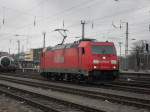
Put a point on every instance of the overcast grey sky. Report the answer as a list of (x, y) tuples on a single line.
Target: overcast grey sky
[(19, 16)]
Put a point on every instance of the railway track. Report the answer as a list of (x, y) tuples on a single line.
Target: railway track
[(20, 97), (140, 77), (119, 85), (123, 78), (139, 90), (134, 78), (136, 74), (43, 102), (116, 98)]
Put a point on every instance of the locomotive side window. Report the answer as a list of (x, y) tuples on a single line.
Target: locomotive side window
[(103, 50), (83, 50)]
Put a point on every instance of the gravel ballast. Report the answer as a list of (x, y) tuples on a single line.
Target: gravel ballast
[(8, 104), (97, 104)]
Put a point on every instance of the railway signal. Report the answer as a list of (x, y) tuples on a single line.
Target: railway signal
[(147, 47)]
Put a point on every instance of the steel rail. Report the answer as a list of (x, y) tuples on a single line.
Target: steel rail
[(39, 104), (28, 101), (123, 86), (142, 103)]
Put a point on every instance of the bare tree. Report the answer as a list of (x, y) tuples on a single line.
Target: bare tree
[(139, 58)]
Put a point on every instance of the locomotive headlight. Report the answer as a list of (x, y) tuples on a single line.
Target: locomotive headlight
[(103, 57), (95, 67), (113, 62), (95, 61), (114, 67)]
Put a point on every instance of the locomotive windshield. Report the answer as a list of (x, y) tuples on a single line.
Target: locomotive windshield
[(103, 50)]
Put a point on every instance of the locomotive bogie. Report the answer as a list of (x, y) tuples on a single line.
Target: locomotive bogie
[(104, 76)]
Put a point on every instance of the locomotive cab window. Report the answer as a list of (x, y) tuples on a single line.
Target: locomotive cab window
[(103, 50)]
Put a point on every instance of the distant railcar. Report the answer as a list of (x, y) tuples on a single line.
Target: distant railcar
[(83, 60), (7, 64)]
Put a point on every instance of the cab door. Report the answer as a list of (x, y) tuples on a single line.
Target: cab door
[(81, 56)]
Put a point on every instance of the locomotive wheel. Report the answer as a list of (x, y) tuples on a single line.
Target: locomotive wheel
[(57, 77), (48, 76), (88, 80), (69, 77), (62, 76), (75, 78)]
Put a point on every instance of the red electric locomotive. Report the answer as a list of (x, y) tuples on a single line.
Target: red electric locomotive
[(83, 60)]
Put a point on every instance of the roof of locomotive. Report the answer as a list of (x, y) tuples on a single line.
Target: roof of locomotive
[(59, 46), (79, 42)]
